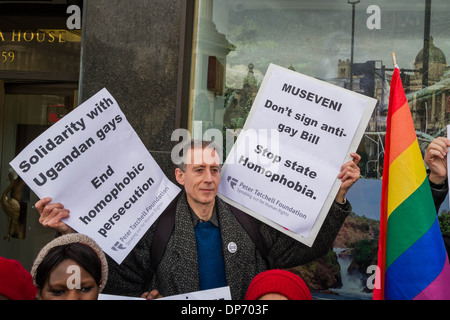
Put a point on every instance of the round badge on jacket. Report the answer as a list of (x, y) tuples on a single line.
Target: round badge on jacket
[(232, 247)]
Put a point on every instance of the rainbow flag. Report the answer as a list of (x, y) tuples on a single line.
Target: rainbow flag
[(412, 260)]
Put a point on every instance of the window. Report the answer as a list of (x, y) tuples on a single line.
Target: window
[(235, 41)]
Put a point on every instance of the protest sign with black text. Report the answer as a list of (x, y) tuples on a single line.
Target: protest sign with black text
[(284, 165), (93, 162)]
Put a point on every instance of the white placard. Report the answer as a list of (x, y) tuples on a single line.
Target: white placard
[(283, 168), (222, 293), (93, 162), (103, 296)]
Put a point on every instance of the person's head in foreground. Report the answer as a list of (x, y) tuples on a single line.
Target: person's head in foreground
[(16, 283), (71, 267), (277, 285)]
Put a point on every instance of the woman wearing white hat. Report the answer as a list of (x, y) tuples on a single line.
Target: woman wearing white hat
[(71, 267)]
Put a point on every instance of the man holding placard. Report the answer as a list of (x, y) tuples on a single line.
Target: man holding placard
[(209, 247), (213, 242)]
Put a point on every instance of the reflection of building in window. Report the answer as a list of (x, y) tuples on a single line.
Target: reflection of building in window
[(429, 104), (363, 76), (238, 102), (436, 68), (343, 69), (368, 79), (211, 49)]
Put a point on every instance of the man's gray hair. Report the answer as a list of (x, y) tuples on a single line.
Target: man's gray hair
[(196, 144)]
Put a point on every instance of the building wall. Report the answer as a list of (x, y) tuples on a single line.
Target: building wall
[(132, 48), (133, 51)]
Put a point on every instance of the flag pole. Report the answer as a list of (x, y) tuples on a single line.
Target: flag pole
[(394, 60)]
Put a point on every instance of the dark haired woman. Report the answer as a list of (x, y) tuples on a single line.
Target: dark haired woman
[(71, 267)]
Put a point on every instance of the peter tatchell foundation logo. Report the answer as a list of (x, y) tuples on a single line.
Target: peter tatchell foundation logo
[(118, 246), (232, 181)]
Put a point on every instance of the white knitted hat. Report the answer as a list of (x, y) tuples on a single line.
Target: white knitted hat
[(73, 238)]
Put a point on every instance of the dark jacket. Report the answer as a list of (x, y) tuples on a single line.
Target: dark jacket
[(439, 193), (177, 272)]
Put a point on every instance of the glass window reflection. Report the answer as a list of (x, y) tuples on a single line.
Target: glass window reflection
[(236, 40)]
